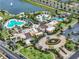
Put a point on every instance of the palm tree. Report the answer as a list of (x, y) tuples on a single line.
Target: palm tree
[(78, 20), (4, 34), (56, 11), (70, 45), (69, 27), (12, 45), (1, 27), (69, 20), (68, 35)]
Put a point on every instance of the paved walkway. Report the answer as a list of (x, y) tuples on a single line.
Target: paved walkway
[(42, 42), (65, 53)]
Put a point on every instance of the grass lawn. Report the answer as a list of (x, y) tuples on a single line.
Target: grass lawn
[(32, 53)]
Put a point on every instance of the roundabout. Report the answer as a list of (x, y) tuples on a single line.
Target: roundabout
[(51, 42)]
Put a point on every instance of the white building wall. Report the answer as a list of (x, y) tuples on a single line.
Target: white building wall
[(57, 5)]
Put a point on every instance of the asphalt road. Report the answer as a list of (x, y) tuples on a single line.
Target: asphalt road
[(10, 54), (75, 55)]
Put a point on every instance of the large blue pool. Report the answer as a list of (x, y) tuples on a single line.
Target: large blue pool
[(13, 22)]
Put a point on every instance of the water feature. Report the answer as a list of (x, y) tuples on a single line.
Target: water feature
[(53, 41), (17, 6), (13, 22), (58, 19)]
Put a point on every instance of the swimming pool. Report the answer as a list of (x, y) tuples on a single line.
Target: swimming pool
[(13, 22), (58, 19)]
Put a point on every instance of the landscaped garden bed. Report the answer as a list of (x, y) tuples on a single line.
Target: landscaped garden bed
[(53, 41)]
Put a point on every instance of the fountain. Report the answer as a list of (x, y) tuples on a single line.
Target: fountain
[(53, 41), (11, 4)]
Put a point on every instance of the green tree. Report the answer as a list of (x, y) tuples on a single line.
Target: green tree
[(4, 34), (70, 45), (2, 11)]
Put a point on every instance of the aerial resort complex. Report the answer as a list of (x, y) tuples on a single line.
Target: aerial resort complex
[(39, 29)]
